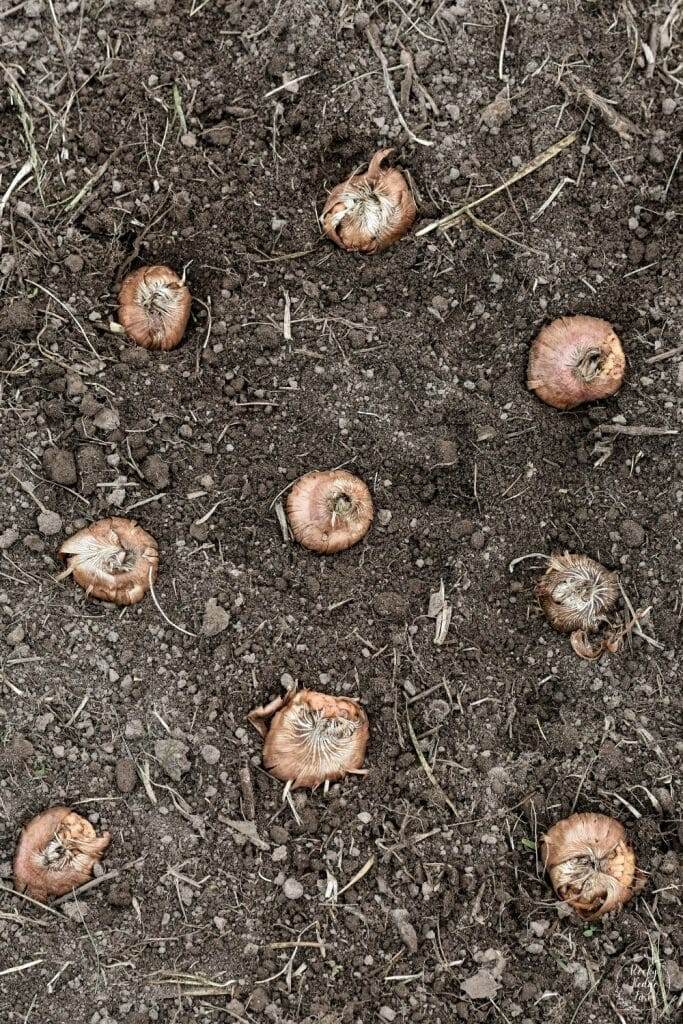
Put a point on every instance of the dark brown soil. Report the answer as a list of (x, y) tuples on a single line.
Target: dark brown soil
[(156, 136)]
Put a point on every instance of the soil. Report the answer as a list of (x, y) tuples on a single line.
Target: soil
[(160, 132)]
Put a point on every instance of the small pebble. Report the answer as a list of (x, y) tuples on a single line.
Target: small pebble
[(107, 420), (49, 523), (16, 636), (210, 754), (8, 538), (293, 889), (134, 729)]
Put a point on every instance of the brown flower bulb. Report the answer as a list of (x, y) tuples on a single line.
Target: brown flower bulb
[(591, 864), (313, 737), (154, 307), (575, 359), (112, 559), (56, 853), (370, 211), (576, 593), (329, 510)]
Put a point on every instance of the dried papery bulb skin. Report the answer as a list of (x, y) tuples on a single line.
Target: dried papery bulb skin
[(369, 212), (591, 864), (56, 853), (576, 593), (313, 738), (329, 510), (575, 359), (113, 560), (154, 307)]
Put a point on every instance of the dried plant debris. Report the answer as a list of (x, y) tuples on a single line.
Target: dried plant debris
[(113, 560), (624, 128), (441, 610), (312, 738), (591, 864), (57, 852), (369, 212), (329, 511)]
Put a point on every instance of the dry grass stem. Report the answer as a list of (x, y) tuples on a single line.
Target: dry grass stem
[(529, 168)]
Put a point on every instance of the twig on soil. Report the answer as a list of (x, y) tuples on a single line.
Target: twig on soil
[(209, 324), (286, 255), (289, 84), (181, 629), (247, 790), (71, 314), (426, 768), (358, 875), (16, 182), (635, 621), (632, 431), (529, 168), (673, 171), (78, 711), (36, 903), (287, 318), (607, 793), (501, 56), (145, 501), (662, 356), (87, 887), (19, 967), (282, 521), (18, 99), (190, 986), (483, 226), (13, 10), (298, 945), (75, 201), (624, 128), (145, 779), (584, 997), (372, 33), (522, 558)]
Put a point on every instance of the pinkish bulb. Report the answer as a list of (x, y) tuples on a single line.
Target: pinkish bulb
[(575, 359)]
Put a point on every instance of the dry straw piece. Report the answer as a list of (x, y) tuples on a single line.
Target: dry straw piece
[(591, 864), (329, 510), (575, 359), (56, 853), (154, 307), (312, 738), (113, 559), (369, 212)]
